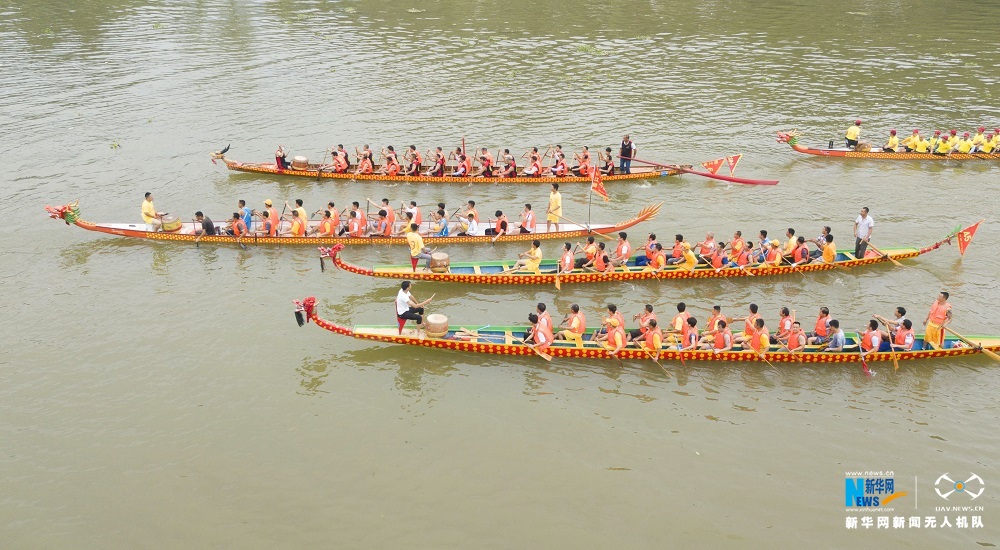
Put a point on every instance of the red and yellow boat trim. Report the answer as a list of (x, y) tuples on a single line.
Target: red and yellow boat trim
[(792, 139)]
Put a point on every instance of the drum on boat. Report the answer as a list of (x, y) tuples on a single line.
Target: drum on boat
[(863, 147), (436, 325), (300, 163), (440, 262), (170, 223)]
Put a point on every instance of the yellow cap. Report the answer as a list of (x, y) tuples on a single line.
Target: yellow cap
[(267, 202), (611, 321)]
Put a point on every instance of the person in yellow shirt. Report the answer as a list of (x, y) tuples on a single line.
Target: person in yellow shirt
[(910, 142), (149, 213), (943, 147), (979, 138), (790, 245), (935, 140), (853, 134), (417, 249), (953, 138), (829, 251), (555, 208), (690, 260), (964, 145), (530, 260), (892, 144), (921, 146), (990, 144)]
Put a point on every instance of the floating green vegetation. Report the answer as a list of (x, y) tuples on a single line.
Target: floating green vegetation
[(115, 144), (643, 37), (587, 48), (350, 9), (157, 25), (415, 10)]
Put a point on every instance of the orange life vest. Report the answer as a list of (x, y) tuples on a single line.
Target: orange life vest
[(566, 263), (643, 320), (239, 228), (417, 159), (773, 255), (821, 329), (335, 218), (623, 249), (538, 168), (793, 338), (529, 221), (298, 228), (272, 214), (354, 228), (468, 166), (366, 166), (720, 338), (616, 333), (755, 339), (650, 336), (599, 262), (785, 325), (901, 335), (717, 259), (801, 254), (868, 336), (660, 259), (748, 324), (384, 229), (418, 218), (500, 220), (650, 250), (708, 246), (939, 312), (326, 226), (680, 321), (542, 330), (390, 215), (583, 323), (689, 336), (392, 166), (677, 251)]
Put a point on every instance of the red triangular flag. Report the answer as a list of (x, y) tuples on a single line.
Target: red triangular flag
[(965, 237), (713, 165), (596, 185), (733, 161)]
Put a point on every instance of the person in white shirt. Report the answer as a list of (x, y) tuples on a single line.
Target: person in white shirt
[(407, 306), (863, 228), (471, 227)]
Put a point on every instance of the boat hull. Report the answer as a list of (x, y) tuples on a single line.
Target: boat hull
[(792, 139)]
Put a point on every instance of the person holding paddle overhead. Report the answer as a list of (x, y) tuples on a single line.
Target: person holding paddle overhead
[(609, 162), (554, 210), (626, 152), (583, 162), (938, 317), (437, 165)]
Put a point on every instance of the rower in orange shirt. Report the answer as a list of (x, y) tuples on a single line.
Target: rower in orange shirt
[(583, 160), (575, 324), (542, 335), (644, 318), (325, 227)]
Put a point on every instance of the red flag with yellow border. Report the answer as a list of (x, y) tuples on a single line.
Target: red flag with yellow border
[(733, 161), (597, 185), (965, 237), (713, 165)]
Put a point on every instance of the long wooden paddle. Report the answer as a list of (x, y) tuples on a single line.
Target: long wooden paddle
[(979, 347), (587, 226), (650, 355), (879, 252), (892, 350), (540, 353), (704, 174)]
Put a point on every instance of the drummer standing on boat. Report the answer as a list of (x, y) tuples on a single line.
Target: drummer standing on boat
[(626, 152), (864, 226), (149, 213), (554, 211)]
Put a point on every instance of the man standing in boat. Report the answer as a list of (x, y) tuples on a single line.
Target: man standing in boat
[(853, 134), (626, 152), (864, 226), (554, 211), (938, 317), (149, 213)]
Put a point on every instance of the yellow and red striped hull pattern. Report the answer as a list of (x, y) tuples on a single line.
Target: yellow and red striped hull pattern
[(581, 277), (631, 353), (645, 214), (271, 168)]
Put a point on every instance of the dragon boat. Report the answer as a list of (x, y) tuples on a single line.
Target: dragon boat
[(792, 139), (70, 213), (506, 340), (492, 272), (317, 171)]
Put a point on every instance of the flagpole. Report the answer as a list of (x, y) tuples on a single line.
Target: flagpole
[(590, 202)]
